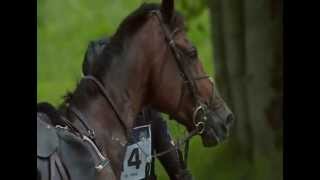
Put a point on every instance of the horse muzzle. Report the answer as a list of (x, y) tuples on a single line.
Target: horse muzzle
[(216, 128)]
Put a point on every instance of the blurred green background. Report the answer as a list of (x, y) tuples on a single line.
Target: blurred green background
[(64, 28)]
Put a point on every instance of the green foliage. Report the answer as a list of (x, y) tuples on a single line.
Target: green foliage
[(192, 9)]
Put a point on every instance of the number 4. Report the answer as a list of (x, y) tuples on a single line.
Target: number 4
[(135, 155)]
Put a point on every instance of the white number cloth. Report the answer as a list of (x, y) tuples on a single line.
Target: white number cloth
[(137, 161)]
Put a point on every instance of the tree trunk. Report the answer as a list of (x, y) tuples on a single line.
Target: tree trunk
[(230, 64), (247, 41)]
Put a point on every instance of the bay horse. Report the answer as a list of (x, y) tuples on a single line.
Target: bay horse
[(149, 62)]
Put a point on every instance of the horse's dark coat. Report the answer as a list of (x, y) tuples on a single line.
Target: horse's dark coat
[(94, 48), (127, 29)]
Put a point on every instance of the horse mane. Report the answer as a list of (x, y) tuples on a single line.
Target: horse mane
[(127, 28)]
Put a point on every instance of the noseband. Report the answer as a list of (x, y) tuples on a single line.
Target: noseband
[(189, 81)]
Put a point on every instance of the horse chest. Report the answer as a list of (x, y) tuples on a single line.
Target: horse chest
[(138, 157)]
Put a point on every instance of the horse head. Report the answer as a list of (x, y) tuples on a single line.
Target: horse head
[(164, 70)]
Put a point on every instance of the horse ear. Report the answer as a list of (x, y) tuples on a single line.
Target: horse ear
[(167, 10), (88, 59)]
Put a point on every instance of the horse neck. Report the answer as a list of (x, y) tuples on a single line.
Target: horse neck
[(110, 134), (126, 86), (127, 83), (130, 75)]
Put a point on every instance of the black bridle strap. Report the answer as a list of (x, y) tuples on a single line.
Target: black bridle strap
[(172, 45), (182, 92), (180, 99), (191, 83), (201, 77), (107, 97), (178, 57)]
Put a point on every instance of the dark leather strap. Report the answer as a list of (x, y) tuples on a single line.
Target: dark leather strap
[(60, 167), (83, 121), (107, 97), (53, 172), (169, 37), (57, 171)]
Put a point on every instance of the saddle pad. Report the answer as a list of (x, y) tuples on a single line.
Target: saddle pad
[(137, 161), (47, 139)]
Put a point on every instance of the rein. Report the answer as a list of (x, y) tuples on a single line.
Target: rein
[(180, 142), (107, 97)]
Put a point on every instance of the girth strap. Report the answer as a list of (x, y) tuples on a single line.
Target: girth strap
[(56, 166)]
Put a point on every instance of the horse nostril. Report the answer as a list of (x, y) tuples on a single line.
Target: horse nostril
[(230, 119)]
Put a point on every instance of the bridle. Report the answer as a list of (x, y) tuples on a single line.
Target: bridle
[(190, 82), (201, 109)]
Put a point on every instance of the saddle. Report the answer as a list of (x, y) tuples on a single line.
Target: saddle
[(62, 155)]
